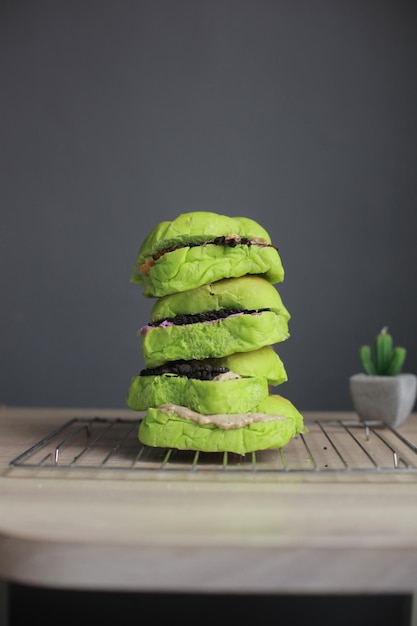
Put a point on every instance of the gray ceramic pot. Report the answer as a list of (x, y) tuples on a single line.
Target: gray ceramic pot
[(387, 399)]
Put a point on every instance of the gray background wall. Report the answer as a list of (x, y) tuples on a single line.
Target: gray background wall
[(117, 115)]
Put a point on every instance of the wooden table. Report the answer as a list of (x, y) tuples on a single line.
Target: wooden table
[(77, 531)]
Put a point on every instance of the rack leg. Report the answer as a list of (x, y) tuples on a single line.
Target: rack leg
[(413, 616), (4, 610)]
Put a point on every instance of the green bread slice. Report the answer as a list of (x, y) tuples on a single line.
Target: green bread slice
[(162, 427), (238, 395), (243, 293), (240, 333), (187, 267)]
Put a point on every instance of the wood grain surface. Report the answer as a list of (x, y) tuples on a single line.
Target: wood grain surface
[(304, 534)]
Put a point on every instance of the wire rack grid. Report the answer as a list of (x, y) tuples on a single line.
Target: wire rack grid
[(328, 447)]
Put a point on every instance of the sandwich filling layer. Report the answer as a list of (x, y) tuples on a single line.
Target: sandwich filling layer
[(224, 421), (196, 318), (192, 369)]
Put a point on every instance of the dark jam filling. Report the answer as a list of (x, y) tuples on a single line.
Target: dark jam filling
[(186, 369), (206, 316)]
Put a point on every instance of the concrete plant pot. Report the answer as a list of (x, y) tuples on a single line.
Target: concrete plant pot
[(387, 399)]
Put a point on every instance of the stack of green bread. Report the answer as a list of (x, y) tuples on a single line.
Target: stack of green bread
[(208, 348)]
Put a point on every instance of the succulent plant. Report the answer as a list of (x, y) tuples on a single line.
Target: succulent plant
[(384, 360)]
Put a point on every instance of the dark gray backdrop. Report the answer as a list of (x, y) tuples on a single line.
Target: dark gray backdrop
[(116, 115)]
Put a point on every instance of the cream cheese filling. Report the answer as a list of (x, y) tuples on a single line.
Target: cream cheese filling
[(229, 375), (225, 421)]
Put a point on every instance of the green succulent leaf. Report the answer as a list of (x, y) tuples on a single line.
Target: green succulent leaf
[(365, 356), (397, 361)]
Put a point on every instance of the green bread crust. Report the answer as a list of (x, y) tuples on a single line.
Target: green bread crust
[(244, 293), (263, 362), (187, 268), (167, 430), (202, 340), (238, 395)]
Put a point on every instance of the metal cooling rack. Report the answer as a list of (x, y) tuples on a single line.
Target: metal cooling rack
[(337, 446)]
